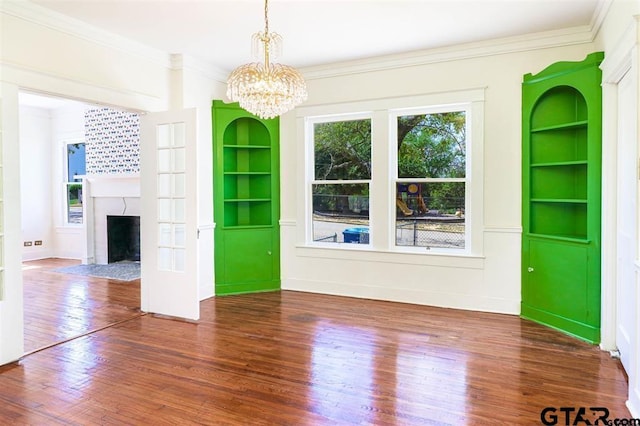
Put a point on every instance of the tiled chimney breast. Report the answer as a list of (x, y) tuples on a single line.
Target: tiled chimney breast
[(112, 142)]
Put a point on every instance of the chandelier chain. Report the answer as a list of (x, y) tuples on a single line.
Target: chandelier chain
[(266, 18), (263, 88)]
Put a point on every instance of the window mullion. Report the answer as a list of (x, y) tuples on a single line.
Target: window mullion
[(380, 211)]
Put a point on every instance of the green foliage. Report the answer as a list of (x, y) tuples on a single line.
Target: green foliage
[(432, 145), (343, 150), (429, 146), (446, 197), (74, 190)]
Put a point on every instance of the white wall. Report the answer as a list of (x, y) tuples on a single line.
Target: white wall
[(198, 85), (35, 182), (489, 281)]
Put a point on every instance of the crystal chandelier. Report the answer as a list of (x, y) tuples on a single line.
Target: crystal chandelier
[(263, 88)]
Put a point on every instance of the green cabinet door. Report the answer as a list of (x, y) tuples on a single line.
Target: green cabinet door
[(247, 261), (555, 288)]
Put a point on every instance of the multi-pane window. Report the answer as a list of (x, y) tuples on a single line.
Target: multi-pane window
[(430, 186), (423, 194), (341, 180), (75, 171)]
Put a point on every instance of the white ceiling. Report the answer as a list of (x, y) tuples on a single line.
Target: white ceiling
[(319, 32)]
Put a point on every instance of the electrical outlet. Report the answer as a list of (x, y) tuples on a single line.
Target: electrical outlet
[(28, 243), (37, 242)]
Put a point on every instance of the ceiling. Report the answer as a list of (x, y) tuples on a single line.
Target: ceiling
[(320, 32)]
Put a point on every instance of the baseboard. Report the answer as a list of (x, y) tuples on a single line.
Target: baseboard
[(574, 328), (469, 302)]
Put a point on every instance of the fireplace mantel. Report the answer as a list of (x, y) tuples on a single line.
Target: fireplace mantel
[(107, 195), (114, 185)]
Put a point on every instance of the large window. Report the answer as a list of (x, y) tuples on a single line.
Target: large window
[(75, 171), (430, 184), (341, 179), (400, 175)]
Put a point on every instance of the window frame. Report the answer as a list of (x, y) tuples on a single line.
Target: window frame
[(311, 180), (66, 183), (393, 115), (384, 171)]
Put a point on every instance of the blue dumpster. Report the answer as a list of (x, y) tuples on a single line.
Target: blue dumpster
[(356, 235)]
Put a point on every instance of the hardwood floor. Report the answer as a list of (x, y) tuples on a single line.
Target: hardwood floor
[(306, 359), (59, 306)]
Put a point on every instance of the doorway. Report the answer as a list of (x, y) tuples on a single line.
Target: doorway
[(59, 227)]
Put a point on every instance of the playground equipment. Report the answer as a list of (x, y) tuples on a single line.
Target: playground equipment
[(403, 207), (410, 195)]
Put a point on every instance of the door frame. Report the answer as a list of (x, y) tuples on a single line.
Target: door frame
[(619, 61)]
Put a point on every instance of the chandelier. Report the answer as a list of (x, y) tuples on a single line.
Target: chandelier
[(263, 88)]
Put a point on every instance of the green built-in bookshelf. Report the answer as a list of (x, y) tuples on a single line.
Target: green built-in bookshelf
[(561, 164), (246, 201)]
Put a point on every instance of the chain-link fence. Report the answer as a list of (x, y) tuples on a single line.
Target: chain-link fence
[(337, 218), (422, 232)]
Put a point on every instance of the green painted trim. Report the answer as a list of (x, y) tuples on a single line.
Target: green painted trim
[(562, 68), (576, 329), (245, 288)]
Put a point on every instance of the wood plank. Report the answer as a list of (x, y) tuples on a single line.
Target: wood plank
[(61, 306), (307, 359)]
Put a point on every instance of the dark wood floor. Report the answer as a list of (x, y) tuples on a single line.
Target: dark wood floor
[(305, 359), (59, 306)]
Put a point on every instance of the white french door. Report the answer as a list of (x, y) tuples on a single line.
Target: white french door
[(627, 215), (169, 229)]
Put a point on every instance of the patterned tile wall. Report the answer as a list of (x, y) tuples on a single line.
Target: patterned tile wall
[(112, 142)]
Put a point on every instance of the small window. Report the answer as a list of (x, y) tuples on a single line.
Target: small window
[(75, 171), (340, 185), (430, 200)]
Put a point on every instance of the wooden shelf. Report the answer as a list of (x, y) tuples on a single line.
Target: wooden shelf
[(247, 146), (561, 163), (559, 200), (250, 227), (247, 173), (242, 200), (561, 126), (569, 239)]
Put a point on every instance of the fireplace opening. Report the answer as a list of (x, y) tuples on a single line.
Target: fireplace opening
[(123, 238)]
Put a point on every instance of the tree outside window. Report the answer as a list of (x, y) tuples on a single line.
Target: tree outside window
[(431, 180), (340, 188)]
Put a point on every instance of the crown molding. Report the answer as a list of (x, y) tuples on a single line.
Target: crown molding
[(56, 21), (205, 68), (543, 40)]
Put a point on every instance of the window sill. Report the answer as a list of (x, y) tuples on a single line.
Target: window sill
[(364, 253), (70, 228)]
